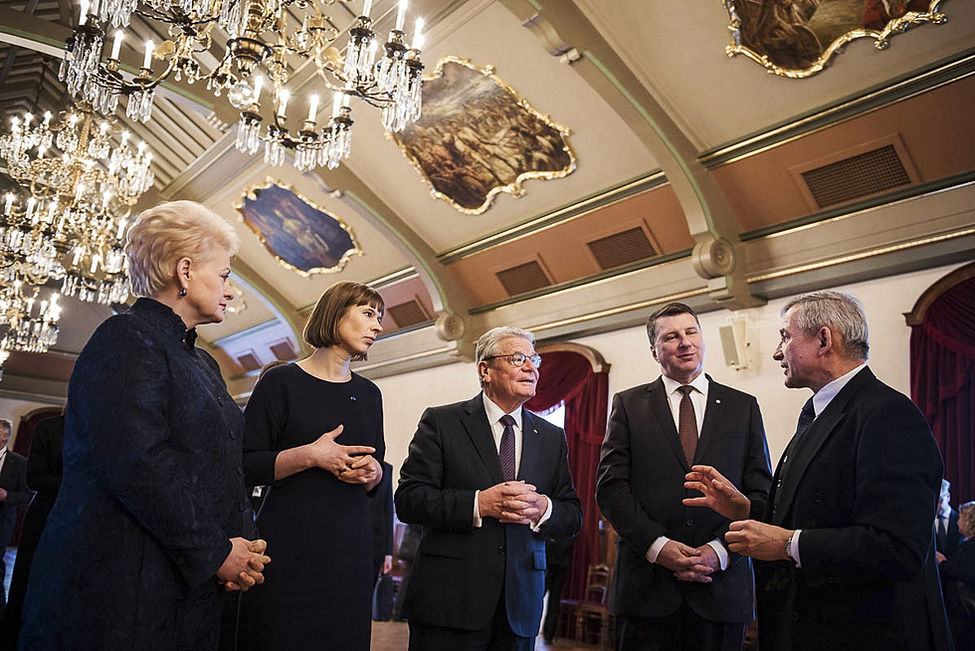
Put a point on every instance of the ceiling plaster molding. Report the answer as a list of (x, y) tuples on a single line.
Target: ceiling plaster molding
[(710, 219), (872, 99), (449, 301), (557, 217)]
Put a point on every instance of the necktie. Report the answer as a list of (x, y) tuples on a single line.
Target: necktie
[(506, 453), (687, 424), (806, 418)]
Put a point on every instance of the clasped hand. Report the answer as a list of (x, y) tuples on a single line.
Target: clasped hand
[(352, 464), (512, 502), (244, 566), (689, 563)]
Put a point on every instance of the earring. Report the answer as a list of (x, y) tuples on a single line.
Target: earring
[(182, 292)]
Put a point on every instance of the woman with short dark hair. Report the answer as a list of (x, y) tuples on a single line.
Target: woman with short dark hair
[(150, 522), (314, 436)]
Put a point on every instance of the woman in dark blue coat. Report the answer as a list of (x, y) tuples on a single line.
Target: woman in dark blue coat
[(151, 524)]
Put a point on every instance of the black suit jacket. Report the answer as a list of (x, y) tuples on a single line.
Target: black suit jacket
[(949, 543), (640, 485), (458, 572), (862, 484), (13, 479)]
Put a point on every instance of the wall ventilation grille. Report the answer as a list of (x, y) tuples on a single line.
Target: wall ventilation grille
[(622, 248), (871, 172), (283, 350), (407, 314), (524, 278)]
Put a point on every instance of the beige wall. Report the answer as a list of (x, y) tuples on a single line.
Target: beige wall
[(885, 301)]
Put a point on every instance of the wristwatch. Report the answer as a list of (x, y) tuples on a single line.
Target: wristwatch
[(788, 546)]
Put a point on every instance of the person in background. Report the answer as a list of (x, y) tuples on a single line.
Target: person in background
[(846, 542), (958, 582), (676, 586), (314, 437), (488, 481), (946, 524), (44, 466), (558, 561), (151, 524), (13, 492)]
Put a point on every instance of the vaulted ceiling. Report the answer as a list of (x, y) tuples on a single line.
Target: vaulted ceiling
[(697, 176)]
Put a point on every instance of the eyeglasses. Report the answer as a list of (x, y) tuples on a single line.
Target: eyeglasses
[(519, 359)]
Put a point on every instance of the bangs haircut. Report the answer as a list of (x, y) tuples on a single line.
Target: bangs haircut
[(322, 328)]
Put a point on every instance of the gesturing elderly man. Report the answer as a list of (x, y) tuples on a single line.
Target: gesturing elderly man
[(488, 481), (846, 541)]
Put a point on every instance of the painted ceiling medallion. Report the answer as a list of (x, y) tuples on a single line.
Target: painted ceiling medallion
[(797, 39), (300, 235), (477, 137)]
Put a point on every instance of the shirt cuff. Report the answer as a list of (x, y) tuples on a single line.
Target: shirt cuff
[(545, 516), (655, 548), (720, 552), (477, 513), (794, 548)]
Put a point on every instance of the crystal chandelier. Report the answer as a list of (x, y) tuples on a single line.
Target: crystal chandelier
[(259, 34), (80, 190), (32, 324)]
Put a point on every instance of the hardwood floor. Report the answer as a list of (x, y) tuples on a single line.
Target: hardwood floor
[(394, 636)]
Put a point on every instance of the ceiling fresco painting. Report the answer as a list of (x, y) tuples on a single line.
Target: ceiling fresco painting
[(477, 137), (797, 39), (300, 235)]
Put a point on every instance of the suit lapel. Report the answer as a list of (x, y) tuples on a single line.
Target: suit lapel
[(660, 408), (802, 452), (717, 399), (530, 446), (476, 423)]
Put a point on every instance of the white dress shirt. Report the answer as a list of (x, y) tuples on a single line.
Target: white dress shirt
[(494, 415)]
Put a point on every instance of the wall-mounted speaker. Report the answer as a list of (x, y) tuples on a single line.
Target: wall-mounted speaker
[(734, 342)]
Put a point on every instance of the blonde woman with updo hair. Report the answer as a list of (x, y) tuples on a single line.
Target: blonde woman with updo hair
[(314, 438), (152, 525)]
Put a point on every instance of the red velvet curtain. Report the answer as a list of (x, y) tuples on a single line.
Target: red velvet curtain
[(568, 378), (943, 382)]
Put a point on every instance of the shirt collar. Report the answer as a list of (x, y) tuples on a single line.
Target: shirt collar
[(824, 396), (494, 412), (700, 383)]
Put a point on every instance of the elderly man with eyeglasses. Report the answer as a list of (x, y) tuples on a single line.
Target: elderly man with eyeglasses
[(488, 481)]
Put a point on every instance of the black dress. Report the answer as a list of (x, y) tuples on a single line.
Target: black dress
[(318, 586), (151, 494)]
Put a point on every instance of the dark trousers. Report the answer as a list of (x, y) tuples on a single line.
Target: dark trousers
[(496, 636), (685, 630), (554, 579)]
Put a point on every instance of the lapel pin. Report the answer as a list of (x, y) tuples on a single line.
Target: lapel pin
[(717, 401)]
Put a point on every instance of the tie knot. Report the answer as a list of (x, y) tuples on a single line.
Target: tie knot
[(685, 389), (508, 420)]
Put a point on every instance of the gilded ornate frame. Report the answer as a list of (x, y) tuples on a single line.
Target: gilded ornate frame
[(513, 186), (881, 39), (251, 195)]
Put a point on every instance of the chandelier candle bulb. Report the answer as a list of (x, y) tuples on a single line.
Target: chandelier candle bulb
[(401, 16), (30, 207), (121, 228), (258, 86), (366, 8), (117, 45), (282, 103), (8, 204), (147, 61), (83, 16), (418, 35), (312, 108), (337, 106)]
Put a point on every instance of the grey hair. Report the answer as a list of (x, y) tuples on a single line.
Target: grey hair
[(840, 312), (489, 344), (7, 424)]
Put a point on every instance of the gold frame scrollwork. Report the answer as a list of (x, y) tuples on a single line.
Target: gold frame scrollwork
[(881, 39), (251, 194), (513, 187)]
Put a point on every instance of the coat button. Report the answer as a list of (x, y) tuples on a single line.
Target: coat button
[(778, 485), (794, 616), (689, 522), (501, 550), (240, 471), (818, 497)]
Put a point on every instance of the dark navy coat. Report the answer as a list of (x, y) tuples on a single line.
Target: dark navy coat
[(151, 494)]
